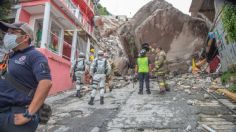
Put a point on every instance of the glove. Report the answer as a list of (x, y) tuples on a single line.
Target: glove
[(45, 113)]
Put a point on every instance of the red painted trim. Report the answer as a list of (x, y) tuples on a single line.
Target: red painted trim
[(84, 8), (24, 16), (63, 13), (33, 3)]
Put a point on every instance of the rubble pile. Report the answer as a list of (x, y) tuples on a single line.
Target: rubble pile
[(109, 41)]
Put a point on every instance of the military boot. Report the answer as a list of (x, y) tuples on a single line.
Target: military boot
[(91, 101), (148, 91), (101, 100), (168, 89), (162, 91), (78, 94), (140, 92)]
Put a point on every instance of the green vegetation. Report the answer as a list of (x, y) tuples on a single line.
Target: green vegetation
[(229, 22), (233, 88), (229, 77), (225, 78), (5, 9), (102, 10)]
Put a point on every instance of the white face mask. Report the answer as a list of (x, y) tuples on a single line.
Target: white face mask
[(9, 41)]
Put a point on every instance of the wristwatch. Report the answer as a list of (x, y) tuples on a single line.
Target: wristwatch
[(27, 115)]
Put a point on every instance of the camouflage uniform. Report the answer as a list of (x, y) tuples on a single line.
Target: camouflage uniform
[(161, 70)]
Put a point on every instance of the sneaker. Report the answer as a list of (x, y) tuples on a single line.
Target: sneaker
[(148, 92)]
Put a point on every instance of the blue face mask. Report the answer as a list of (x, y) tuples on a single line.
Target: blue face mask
[(9, 41)]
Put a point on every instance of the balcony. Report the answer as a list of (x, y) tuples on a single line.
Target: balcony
[(81, 17), (90, 4)]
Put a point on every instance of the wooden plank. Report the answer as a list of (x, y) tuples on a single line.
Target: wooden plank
[(228, 103), (212, 119), (228, 94), (223, 127), (217, 123)]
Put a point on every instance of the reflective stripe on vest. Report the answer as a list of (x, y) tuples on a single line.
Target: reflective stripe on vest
[(143, 64)]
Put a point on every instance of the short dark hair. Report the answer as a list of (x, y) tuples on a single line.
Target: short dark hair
[(159, 47)]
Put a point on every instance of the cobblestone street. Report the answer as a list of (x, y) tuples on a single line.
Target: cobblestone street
[(186, 108)]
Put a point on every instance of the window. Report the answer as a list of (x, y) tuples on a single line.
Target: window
[(55, 37)]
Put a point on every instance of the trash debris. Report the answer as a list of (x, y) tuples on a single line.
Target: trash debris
[(208, 128), (206, 96), (189, 128), (174, 99)]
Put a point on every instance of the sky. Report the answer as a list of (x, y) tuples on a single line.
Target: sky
[(130, 7)]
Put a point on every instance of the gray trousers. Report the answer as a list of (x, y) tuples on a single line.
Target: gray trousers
[(98, 81), (79, 79)]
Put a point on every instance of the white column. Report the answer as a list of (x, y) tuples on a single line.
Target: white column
[(73, 48), (18, 7), (61, 42), (88, 50), (77, 13), (46, 23)]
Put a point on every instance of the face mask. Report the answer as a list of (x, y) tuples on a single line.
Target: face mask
[(9, 41)]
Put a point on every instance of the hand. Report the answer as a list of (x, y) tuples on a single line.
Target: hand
[(19, 119)]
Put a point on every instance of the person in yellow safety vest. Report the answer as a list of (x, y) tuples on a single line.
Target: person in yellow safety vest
[(142, 69), (161, 69)]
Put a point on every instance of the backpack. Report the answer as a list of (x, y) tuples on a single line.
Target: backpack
[(79, 65), (100, 66)]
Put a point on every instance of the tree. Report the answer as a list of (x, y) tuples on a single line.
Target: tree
[(102, 10), (5, 8)]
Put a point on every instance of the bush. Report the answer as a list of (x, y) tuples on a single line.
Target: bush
[(229, 22), (225, 77), (233, 88)]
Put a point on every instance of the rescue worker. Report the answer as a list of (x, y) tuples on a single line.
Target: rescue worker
[(110, 76), (160, 69), (142, 68), (79, 67), (25, 84), (99, 69)]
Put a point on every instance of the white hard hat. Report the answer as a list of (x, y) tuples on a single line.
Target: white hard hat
[(81, 54), (100, 52)]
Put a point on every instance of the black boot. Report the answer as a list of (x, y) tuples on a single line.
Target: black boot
[(78, 94), (91, 101), (140, 92), (168, 89), (148, 91), (101, 100)]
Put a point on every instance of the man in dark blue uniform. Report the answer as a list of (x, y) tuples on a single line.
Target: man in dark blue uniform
[(27, 68)]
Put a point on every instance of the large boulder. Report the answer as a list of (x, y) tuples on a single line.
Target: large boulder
[(160, 24)]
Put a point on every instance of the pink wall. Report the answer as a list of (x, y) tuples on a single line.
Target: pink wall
[(24, 16), (60, 71)]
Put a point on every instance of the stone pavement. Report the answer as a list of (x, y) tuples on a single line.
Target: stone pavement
[(185, 108)]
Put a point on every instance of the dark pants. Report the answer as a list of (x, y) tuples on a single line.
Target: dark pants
[(143, 77), (7, 121)]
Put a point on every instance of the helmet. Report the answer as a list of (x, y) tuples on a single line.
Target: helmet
[(145, 46), (142, 52), (92, 50), (100, 52), (81, 55)]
